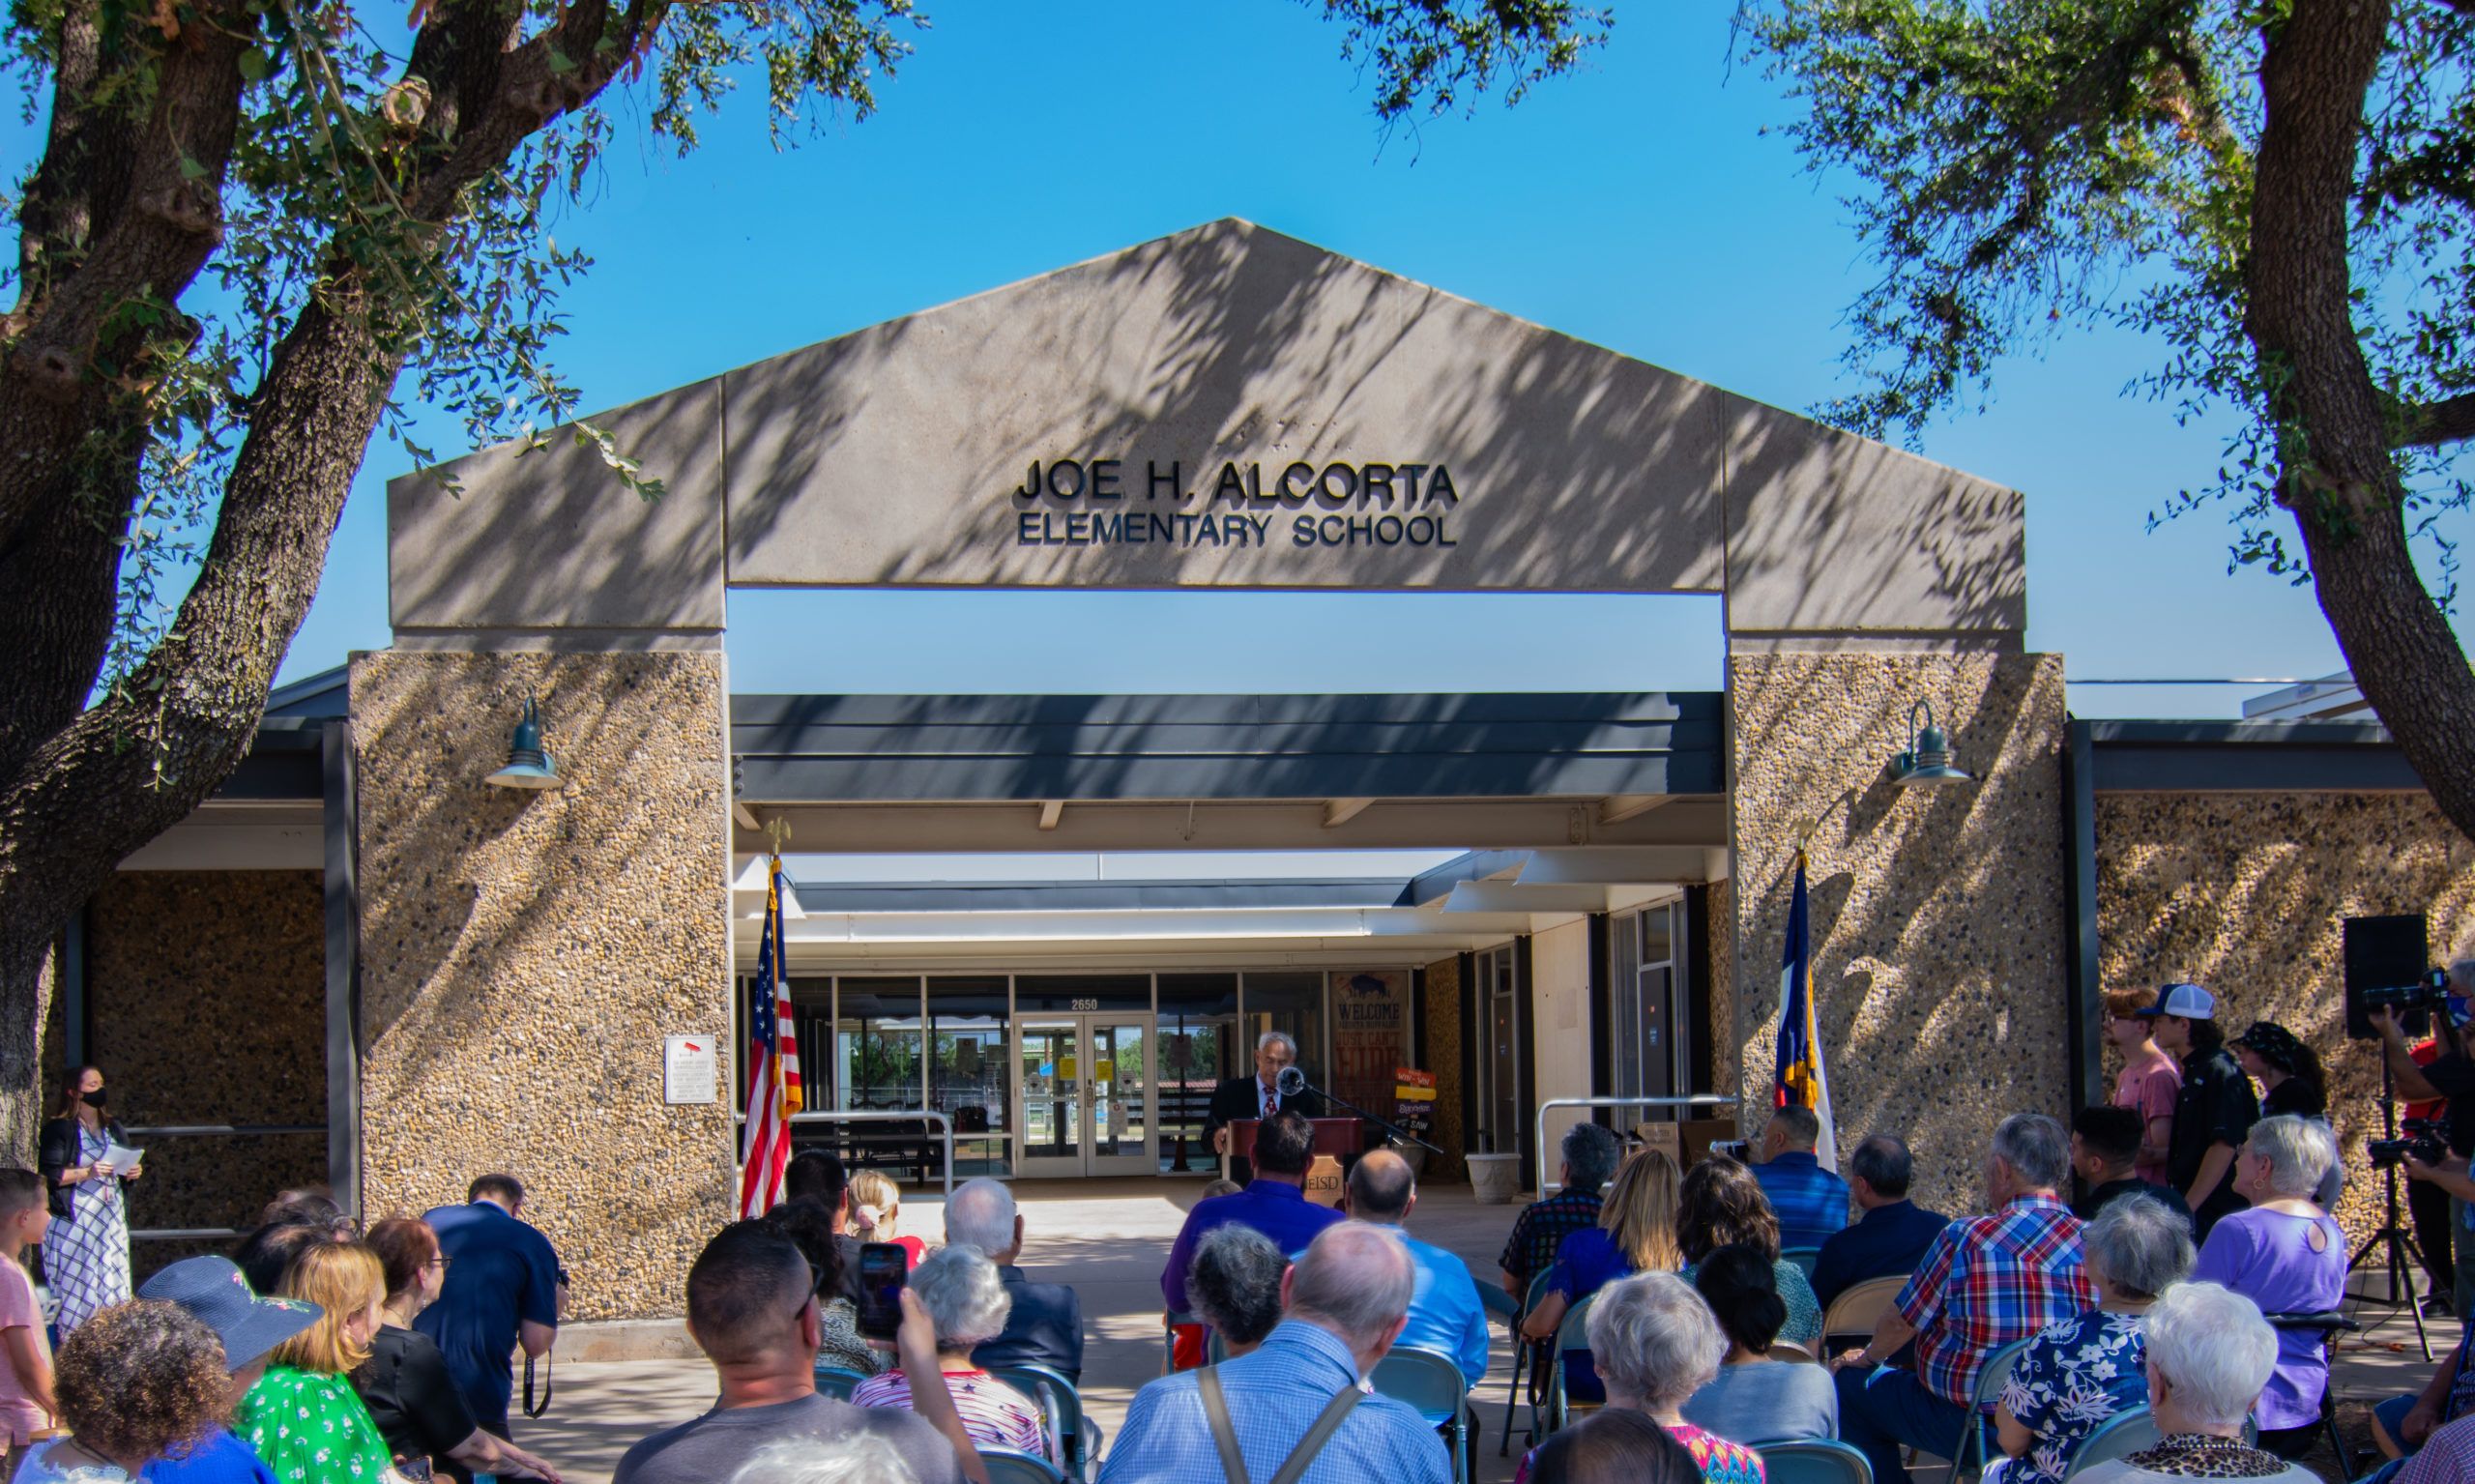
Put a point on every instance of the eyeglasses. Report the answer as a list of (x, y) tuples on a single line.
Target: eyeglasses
[(439, 1261)]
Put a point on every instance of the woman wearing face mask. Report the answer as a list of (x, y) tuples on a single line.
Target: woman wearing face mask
[(85, 1255)]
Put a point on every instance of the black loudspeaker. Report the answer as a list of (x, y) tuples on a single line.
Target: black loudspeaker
[(2383, 954)]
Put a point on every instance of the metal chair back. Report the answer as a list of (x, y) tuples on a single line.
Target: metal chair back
[(1789, 1350), (1859, 1310), (836, 1383), (1804, 1258), (1434, 1384), (1527, 1358), (1062, 1403), (1006, 1465), (1813, 1461), (2120, 1435), (1967, 1453), (1571, 1335)]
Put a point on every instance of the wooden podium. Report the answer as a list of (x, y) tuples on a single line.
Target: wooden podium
[(1336, 1140)]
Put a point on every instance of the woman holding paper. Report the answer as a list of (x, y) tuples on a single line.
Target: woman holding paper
[(85, 1254)]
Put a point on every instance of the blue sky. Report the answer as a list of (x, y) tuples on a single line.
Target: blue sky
[(1638, 205)]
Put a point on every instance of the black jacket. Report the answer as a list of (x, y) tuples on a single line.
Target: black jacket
[(57, 1150), (1243, 1098)]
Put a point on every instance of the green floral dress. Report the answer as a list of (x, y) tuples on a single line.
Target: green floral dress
[(311, 1429)]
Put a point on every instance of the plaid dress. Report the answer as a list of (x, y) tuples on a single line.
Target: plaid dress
[(85, 1259)]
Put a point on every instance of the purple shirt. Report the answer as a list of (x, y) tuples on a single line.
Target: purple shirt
[(1279, 1211), (2268, 1257)]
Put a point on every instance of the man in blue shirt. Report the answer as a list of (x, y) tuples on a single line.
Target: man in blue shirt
[(1347, 1299), (1045, 1324), (503, 1287), (1273, 1204), (1890, 1239), (1810, 1200), (1446, 1314)]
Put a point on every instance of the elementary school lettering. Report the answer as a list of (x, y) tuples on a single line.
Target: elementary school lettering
[(1342, 503)]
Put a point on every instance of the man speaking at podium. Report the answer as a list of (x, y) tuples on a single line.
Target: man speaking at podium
[(1259, 1097)]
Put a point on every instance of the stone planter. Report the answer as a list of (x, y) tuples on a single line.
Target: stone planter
[(1414, 1154), (1496, 1179)]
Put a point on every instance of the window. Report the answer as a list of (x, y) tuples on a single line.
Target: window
[(1494, 1002), (1645, 954), (876, 1044), (1199, 1048), (967, 1079)]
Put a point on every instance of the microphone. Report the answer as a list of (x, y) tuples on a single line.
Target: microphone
[(1290, 1083)]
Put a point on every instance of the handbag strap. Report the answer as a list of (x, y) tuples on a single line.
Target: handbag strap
[(1224, 1434)]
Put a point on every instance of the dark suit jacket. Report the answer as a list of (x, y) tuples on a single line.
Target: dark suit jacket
[(1889, 1242), (57, 1150), (1045, 1329), (1243, 1098)]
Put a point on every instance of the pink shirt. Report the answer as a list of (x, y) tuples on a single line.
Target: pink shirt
[(2150, 1091), (18, 1309), (993, 1412)]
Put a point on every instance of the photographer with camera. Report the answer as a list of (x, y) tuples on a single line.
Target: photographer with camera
[(2437, 1157)]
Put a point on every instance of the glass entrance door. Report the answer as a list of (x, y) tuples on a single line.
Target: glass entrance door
[(1087, 1082)]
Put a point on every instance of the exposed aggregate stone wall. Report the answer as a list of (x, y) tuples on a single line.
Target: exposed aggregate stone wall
[(1937, 913), (524, 954), (2244, 893), (1446, 1011)]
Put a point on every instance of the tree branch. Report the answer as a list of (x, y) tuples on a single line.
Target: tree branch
[(2430, 424)]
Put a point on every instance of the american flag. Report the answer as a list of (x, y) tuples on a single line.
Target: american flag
[(772, 1062)]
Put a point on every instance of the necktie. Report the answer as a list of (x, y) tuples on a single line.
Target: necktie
[(1271, 1102)]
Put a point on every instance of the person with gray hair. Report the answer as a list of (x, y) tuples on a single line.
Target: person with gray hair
[(2075, 1374), (1446, 1315), (966, 1300), (1591, 1153), (1656, 1343), (2210, 1352), (1258, 1097), (2289, 1256), (1234, 1284), (1987, 1281), (1045, 1325), (1298, 1392), (1889, 1239)]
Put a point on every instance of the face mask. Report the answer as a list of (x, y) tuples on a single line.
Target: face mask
[(94, 1100)]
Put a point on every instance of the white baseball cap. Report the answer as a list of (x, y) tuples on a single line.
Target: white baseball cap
[(2187, 1001)]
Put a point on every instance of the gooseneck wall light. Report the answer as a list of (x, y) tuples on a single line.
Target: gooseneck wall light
[(1926, 762), (528, 765)]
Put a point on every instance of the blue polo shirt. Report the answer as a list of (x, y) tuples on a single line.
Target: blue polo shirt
[(1276, 1208), (500, 1271), (1810, 1200), (1446, 1315)]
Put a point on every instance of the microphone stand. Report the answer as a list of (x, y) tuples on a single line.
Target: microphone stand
[(1387, 1125)]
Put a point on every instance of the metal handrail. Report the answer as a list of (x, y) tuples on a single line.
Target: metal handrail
[(944, 1124), (1696, 1100), (187, 1234)]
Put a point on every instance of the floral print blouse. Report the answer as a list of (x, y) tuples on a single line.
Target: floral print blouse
[(311, 1429), (2071, 1378)]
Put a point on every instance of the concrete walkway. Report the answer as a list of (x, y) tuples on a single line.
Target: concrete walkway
[(1110, 1238)]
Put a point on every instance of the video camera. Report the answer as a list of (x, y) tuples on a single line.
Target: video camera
[(2432, 991), (2426, 1139)]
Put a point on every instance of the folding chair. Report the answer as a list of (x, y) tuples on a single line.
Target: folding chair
[(1170, 1323), (835, 1381), (1813, 1461), (1570, 1335), (2120, 1435), (1525, 1360), (1433, 1384), (1967, 1454), (1078, 1439), (1857, 1312), (2328, 1323), (1006, 1465), (1804, 1258), (1790, 1350)]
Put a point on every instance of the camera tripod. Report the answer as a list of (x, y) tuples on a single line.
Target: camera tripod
[(2392, 1240)]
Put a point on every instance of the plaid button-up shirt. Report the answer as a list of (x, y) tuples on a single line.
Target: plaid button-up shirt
[(1542, 1227), (1988, 1281)]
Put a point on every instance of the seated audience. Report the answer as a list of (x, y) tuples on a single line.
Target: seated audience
[(1616, 1447), (1635, 1233), (1591, 1153), (752, 1310), (1233, 1285), (967, 1304), (1349, 1297), (267, 1253), (1987, 1281), (139, 1382), (1656, 1345), (876, 1213), (810, 1227), (2104, 1151), (1218, 1185), (2077, 1374), (302, 1417), (1274, 1202), (1810, 1201), (1446, 1315), (214, 1293), (2208, 1354), (1756, 1397), (2403, 1424), (309, 1206), (418, 1408), (857, 1459), (2447, 1456), (818, 1177), (1045, 1325), (2288, 1256), (1889, 1239), (1721, 1204)]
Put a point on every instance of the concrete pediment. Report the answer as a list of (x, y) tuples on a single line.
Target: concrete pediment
[(1229, 407)]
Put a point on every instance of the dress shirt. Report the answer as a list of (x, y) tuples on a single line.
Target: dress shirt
[(1887, 1242), (1275, 1394), (1810, 1200), (1988, 1281), (1044, 1327), (1278, 1210), (1446, 1315)]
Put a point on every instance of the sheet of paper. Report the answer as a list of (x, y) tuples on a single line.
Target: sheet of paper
[(120, 1159)]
